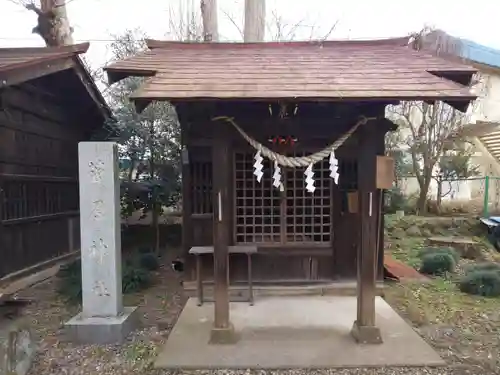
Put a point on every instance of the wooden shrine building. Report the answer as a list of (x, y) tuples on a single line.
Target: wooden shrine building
[(48, 103), (290, 104)]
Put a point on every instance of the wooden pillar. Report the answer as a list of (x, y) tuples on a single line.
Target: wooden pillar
[(3, 244), (364, 329), (223, 330), (186, 189)]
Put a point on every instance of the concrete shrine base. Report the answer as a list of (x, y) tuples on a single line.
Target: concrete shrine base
[(293, 332), (97, 330)]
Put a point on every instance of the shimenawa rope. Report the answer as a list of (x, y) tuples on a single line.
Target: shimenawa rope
[(301, 161)]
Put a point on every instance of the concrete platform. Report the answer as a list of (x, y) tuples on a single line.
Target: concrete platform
[(293, 332), (96, 330)]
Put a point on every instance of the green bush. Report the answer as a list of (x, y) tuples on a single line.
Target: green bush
[(149, 262), (485, 266), (173, 234), (73, 268), (69, 284), (484, 283), (394, 200), (437, 263), (135, 279), (440, 250)]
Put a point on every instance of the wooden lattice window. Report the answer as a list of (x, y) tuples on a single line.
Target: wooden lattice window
[(265, 215), (308, 216), (26, 199), (257, 218), (201, 187)]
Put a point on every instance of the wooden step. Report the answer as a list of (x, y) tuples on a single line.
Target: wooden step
[(236, 292)]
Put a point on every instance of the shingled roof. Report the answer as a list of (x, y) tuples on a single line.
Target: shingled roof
[(12, 60), (18, 65), (326, 70)]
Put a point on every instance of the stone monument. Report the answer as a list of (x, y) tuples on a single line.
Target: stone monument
[(17, 345), (103, 319)]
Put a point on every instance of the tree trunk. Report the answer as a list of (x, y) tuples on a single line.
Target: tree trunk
[(52, 23), (209, 17), (156, 225), (422, 197), (255, 21), (439, 197)]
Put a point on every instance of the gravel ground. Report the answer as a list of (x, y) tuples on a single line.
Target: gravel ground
[(160, 307)]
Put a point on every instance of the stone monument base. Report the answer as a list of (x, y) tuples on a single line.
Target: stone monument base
[(96, 330)]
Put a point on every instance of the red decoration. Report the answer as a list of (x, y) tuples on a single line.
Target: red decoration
[(280, 140)]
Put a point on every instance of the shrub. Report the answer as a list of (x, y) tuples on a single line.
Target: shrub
[(149, 262), (135, 279), (440, 250), (145, 250), (395, 200), (173, 234), (484, 283), (486, 266), (69, 284), (70, 269), (437, 263)]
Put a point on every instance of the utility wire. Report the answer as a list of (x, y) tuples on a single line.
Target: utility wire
[(81, 39)]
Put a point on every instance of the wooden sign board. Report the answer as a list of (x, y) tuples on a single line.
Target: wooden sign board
[(384, 172), (352, 202)]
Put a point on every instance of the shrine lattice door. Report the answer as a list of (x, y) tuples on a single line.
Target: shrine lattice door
[(264, 215)]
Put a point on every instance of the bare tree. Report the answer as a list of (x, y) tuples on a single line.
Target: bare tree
[(209, 17), (185, 23), (426, 128), (255, 21), (280, 31), (52, 22)]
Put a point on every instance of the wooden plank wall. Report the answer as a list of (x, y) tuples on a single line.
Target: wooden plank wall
[(38, 177)]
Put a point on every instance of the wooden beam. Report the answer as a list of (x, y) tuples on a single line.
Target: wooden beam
[(364, 329), (91, 88), (38, 68), (223, 330)]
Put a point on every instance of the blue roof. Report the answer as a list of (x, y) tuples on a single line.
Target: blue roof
[(481, 54)]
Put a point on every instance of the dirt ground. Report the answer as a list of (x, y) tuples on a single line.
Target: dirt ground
[(159, 308), (463, 329)]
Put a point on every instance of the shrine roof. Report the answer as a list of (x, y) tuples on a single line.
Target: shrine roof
[(386, 69), (23, 64), (12, 59)]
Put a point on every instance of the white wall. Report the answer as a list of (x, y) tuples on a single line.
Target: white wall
[(487, 106), (455, 190)]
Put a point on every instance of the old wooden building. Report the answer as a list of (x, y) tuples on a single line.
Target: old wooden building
[(288, 102), (48, 103)]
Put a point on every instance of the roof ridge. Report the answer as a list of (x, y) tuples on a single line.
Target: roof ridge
[(33, 60), (73, 49), (401, 42)]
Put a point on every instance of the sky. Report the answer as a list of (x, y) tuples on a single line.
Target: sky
[(97, 21)]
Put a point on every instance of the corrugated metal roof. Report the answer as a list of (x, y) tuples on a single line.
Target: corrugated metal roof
[(386, 69), (13, 58), (478, 53)]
